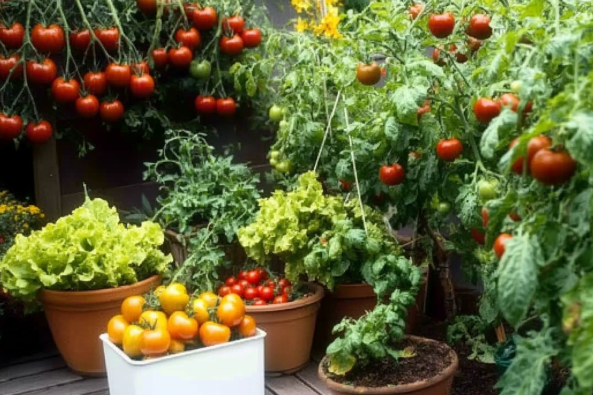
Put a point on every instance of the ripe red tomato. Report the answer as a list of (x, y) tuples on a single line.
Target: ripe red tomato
[(250, 293), (244, 283), (392, 175), (118, 75), (48, 39), (283, 283), (230, 281), (205, 104), (345, 185), (234, 24), (232, 46), (512, 101), (11, 127), (80, 40), (368, 74), (190, 38), (260, 303), (111, 111), (253, 277), (189, 10), (251, 38), (415, 10), (514, 216), (95, 82), (141, 86), (8, 64), (42, 73), (262, 272), (39, 133), (460, 57), (87, 106), (552, 167), (12, 37), (109, 37), (441, 25), (485, 217), (473, 44), (499, 244), (147, 6), (449, 150), (486, 110), (242, 274), (270, 283), (280, 299), (533, 147), (266, 293), (141, 68), (226, 107), (478, 236), (224, 291), (238, 289), (205, 19), (65, 91), (160, 57), (479, 27), (180, 57)]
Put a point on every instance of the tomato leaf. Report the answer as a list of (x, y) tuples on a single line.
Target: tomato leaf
[(501, 125), (580, 144), (406, 100)]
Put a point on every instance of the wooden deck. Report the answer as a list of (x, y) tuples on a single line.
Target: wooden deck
[(46, 374)]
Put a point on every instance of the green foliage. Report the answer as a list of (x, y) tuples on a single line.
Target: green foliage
[(471, 331), (86, 250)]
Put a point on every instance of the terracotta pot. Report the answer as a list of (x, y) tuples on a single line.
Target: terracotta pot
[(76, 320), (290, 328), (437, 385)]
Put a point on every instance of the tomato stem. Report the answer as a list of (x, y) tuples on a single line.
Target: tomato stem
[(122, 33), (364, 222), (67, 34), (182, 12), (24, 56), (327, 130), (157, 30), (87, 24)]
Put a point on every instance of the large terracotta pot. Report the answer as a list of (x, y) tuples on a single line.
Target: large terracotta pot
[(76, 320), (437, 385), (290, 328)]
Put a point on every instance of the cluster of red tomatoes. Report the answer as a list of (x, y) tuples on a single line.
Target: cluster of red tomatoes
[(257, 289), (180, 324)]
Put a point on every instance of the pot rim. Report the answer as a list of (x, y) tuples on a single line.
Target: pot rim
[(318, 293), (397, 389)]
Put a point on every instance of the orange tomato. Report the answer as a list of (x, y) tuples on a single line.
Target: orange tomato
[(174, 298), (155, 342), (131, 308), (131, 341), (200, 309), (116, 328), (210, 298), (247, 327), (212, 334), (230, 312), (176, 346), (181, 327), (234, 298), (153, 319)]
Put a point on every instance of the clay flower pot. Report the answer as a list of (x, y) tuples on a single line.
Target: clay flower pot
[(77, 319), (290, 328), (440, 384)]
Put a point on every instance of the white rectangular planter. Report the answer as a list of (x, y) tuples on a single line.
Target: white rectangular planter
[(226, 369)]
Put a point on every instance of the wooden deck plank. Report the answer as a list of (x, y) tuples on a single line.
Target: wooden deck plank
[(311, 379), (29, 369), (52, 352), (82, 387), (288, 385), (38, 382)]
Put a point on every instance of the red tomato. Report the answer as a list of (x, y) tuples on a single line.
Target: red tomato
[(283, 283), (250, 293), (39, 133), (190, 38), (141, 86), (65, 91), (230, 281), (48, 39), (180, 57), (251, 38), (345, 185), (118, 75), (478, 236), (147, 6), (88, 106), (515, 217), (205, 19), (111, 111), (287, 291), (266, 293), (224, 291), (259, 288), (280, 299), (12, 37), (479, 27), (109, 37), (253, 277), (512, 101), (226, 107), (242, 274), (449, 150), (392, 175), (42, 73), (441, 25), (415, 10), (485, 217), (141, 68), (8, 64), (460, 57), (260, 303), (499, 244), (10, 127), (80, 40), (244, 283), (95, 83), (378, 199), (232, 46), (473, 44), (486, 110), (205, 104), (263, 273), (233, 24), (238, 289), (552, 168), (533, 147), (189, 10), (160, 57)]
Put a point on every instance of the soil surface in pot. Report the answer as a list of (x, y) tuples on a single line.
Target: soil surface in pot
[(430, 360)]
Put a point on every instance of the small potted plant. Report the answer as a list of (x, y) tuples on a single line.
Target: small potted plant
[(81, 268)]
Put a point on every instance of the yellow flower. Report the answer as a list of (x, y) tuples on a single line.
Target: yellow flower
[(301, 25), (34, 210), (16, 217), (329, 24), (300, 5), (42, 215)]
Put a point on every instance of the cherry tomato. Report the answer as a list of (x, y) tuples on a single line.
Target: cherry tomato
[(514, 216), (141, 86), (200, 70), (392, 175), (284, 282), (131, 341), (485, 217), (210, 298), (182, 327), (200, 308), (415, 10), (533, 147), (242, 275), (190, 38), (141, 68), (287, 291), (39, 133), (516, 86), (230, 281), (253, 277), (147, 6), (238, 289), (512, 101), (160, 58), (176, 347), (247, 327), (189, 10), (280, 299), (173, 299), (499, 244), (226, 107), (118, 75), (232, 46), (65, 91), (444, 207), (267, 293), (48, 39), (460, 57), (131, 308), (11, 64), (449, 150), (109, 38), (205, 104), (87, 106), (153, 319), (95, 82), (80, 40), (552, 168), (478, 236), (205, 19), (260, 303), (441, 25), (487, 190), (180, 57), (12, 37), (486, 110), (345, 185), (275, 113), (368, 74), (115, 329), (224, 291), (42, 73), (250, 293), (155, 342), (251, 38), (11, 127), (212, 334), (479, 27), (473, 44), (111, 111), (230, 312), (234, 24)]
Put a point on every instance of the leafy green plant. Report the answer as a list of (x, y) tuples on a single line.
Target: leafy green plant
[(471, 330), (86, 250)]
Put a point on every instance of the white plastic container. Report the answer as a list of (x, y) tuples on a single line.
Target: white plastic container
[(226, 369)]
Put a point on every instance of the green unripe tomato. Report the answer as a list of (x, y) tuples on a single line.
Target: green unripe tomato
[(487, 190), (516, 86), (273, 162), (276, 113), (275, 154), (444, 208), (200, 70), (283, 167), (283, 125)]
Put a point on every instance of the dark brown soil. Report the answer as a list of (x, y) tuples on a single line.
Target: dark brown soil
[(430, 360)]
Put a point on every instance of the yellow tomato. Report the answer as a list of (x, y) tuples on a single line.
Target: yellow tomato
[(153, 319), (131, 308), (200, 309), (174, 298), (229, 311), (178, 287), (131, 341), (210, 297), (176, 347), (116, 328), (159, 290)]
